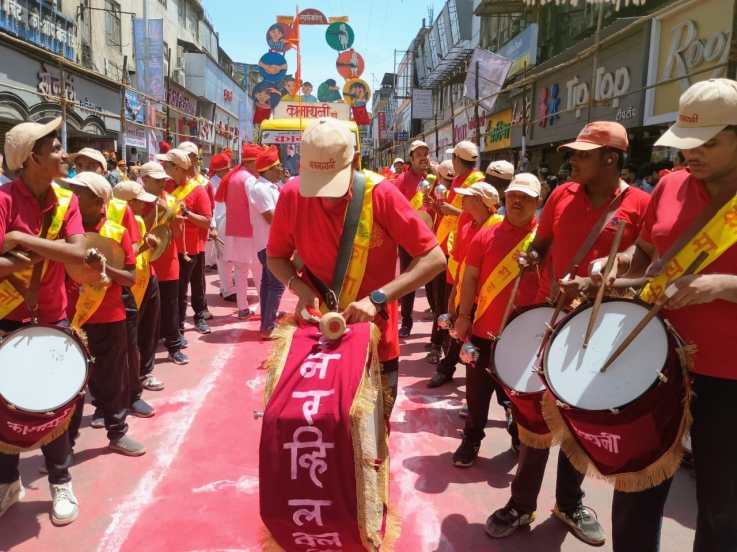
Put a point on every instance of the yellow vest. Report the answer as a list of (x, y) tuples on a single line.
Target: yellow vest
[(447, 227)]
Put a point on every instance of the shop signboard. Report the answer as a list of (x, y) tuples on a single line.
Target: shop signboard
[(39, 23), (568, 99), (497, 132), (522, 50), (688, 44), (304, 110)]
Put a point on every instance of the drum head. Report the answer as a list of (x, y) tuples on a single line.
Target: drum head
[(41, 368), (574, 373), (515, 353)]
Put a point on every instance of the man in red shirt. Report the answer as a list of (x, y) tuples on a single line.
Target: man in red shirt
[(26, 204), (701, 307), (587, 205), (408, 183), (196, 212), (309, 219), (89, 160)]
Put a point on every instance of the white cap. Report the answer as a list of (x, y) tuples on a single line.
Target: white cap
[(176, 156), (397, 160), (418, 144), (501, 169), (130, 189), (190, 147), (154, 170), (98, 184), (526, 183), (445, 169), (91, 153), (466, 150), (20, 140), (704, 110), (326, 159), (485, 191)]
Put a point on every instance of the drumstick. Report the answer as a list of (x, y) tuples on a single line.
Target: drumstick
[(510, 303), (19, 255), (551, 323), (652, 313), (600, 292)]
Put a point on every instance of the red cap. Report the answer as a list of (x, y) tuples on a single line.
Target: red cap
[(600, 134), (228, 153), (268, 158), (218, 162), (250, 151), (164, 146)]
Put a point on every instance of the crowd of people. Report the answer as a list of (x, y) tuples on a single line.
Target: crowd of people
[(486, 246)]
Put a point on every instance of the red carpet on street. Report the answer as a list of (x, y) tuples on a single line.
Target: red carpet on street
[(197, 487)]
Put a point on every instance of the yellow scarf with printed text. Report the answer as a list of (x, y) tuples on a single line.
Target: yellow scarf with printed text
[(143, 269), (447, 227)]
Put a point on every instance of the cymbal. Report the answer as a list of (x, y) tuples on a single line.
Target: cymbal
[(109, 248), (163, 234)]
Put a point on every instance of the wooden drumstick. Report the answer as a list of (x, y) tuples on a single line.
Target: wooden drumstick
[(332, 325), (551, 323), (652, 313), (510, 303), (600, 292), (19, 255)]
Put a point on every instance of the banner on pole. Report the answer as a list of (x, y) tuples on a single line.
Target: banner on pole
[(492, 70)]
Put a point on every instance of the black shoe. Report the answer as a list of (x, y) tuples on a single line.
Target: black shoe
[(434, 356), (438, 379), (466, 453), (141, 409), (428, 346), (506, 521), (202, 327), (178, 357), (98, 419), (405, 331), (583, 523), (230, 298)]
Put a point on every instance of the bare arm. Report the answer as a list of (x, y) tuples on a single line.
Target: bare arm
[(200, 221), (284, 270), (468, 294), (70, 251)]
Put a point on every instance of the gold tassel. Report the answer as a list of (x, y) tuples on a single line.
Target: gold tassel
[(268, 544), (534, 440), (274, 365), (7, 448)]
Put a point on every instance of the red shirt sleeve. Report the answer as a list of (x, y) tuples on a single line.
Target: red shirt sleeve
[(401, 221), (125, 243), (651, 215), (211, 194), (547, 217), (4, 213), (281, 240), (73, 222), (477, 248), (201, 202), (129, 221)]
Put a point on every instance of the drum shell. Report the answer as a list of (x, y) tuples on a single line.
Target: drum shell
[(21, 430)]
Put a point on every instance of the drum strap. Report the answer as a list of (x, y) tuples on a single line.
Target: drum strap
[(30, 294), (605, 218)]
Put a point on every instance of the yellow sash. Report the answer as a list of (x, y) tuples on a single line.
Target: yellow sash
[(116, 210), (493, 220), (502, 275), (143, 270), (719, 234), (417, 200), (10, 298), (92, 295), (181, 192), (447, 227)]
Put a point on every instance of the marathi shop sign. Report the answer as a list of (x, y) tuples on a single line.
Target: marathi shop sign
[(304, 110), (497, 134), (39, 23)]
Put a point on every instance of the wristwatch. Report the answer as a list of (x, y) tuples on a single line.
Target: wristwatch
[(379, 299)]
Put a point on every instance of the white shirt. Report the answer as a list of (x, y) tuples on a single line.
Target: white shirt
[(262, 196)]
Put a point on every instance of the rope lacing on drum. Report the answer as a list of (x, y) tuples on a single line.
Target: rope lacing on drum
[(562, 405)]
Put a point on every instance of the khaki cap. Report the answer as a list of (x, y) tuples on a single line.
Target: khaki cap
[(130, 189), (397, 160), (154, 170), (91, 153), (20, 140), (526, 183), (466, 150), (190, 147), (485, 191), (704, 110), (179, 157), (445, 169), (501, 169), (326, 162), (98, 184), (418, 144)]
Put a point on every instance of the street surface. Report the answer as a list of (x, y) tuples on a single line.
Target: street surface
[(197, 487)]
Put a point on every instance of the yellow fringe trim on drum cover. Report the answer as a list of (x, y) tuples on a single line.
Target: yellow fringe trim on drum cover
[(274, 364), (268, 544), (534, 440), (662, 469), (7, 448)]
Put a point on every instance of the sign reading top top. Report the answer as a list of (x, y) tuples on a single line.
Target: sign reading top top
[(689, 43), (39, 23)]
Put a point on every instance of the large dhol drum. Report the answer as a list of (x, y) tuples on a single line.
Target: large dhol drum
[(324, 460), (43, 372), (628, 421), (515, 366)]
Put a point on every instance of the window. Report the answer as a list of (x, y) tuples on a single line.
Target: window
[(182, 11), (112, 24)]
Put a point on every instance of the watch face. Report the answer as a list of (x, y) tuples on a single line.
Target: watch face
[(378, 297)]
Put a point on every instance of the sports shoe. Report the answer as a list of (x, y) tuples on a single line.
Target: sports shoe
[(10, 493), (178, 357), (202, 327), (183, 343), (506, 521), (64, 507), (433, 357), (207, 315), (466, 453), (244, 314), (152, 383), (127, 446), (98, 419), (438, 379), (405, 331), (141, 409), (583, 523)]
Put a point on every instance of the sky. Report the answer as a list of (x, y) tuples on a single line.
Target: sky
[(380, 26)]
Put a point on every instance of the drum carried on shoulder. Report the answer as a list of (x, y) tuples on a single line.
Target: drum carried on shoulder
[(43, 373)]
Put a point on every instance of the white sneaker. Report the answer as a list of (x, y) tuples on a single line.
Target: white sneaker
[(64, 509), (10, 493)]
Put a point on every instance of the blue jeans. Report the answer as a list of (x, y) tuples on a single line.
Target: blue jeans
[(269, 294)]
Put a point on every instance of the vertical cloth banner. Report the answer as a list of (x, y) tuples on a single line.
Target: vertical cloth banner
[(493, 71), (149, 51)]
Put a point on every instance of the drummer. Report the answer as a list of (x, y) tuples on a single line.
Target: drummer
[(309, 219), (34, 151), (100, 313), (702, 310), (570, 218)]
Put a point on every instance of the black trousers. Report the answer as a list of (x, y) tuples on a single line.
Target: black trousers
[(407, 302), (108, 383), (714, 412), (134, 356), (149, 322), (437, 294), (192, 274), (480, 386), (57, 454), (169, 319)]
